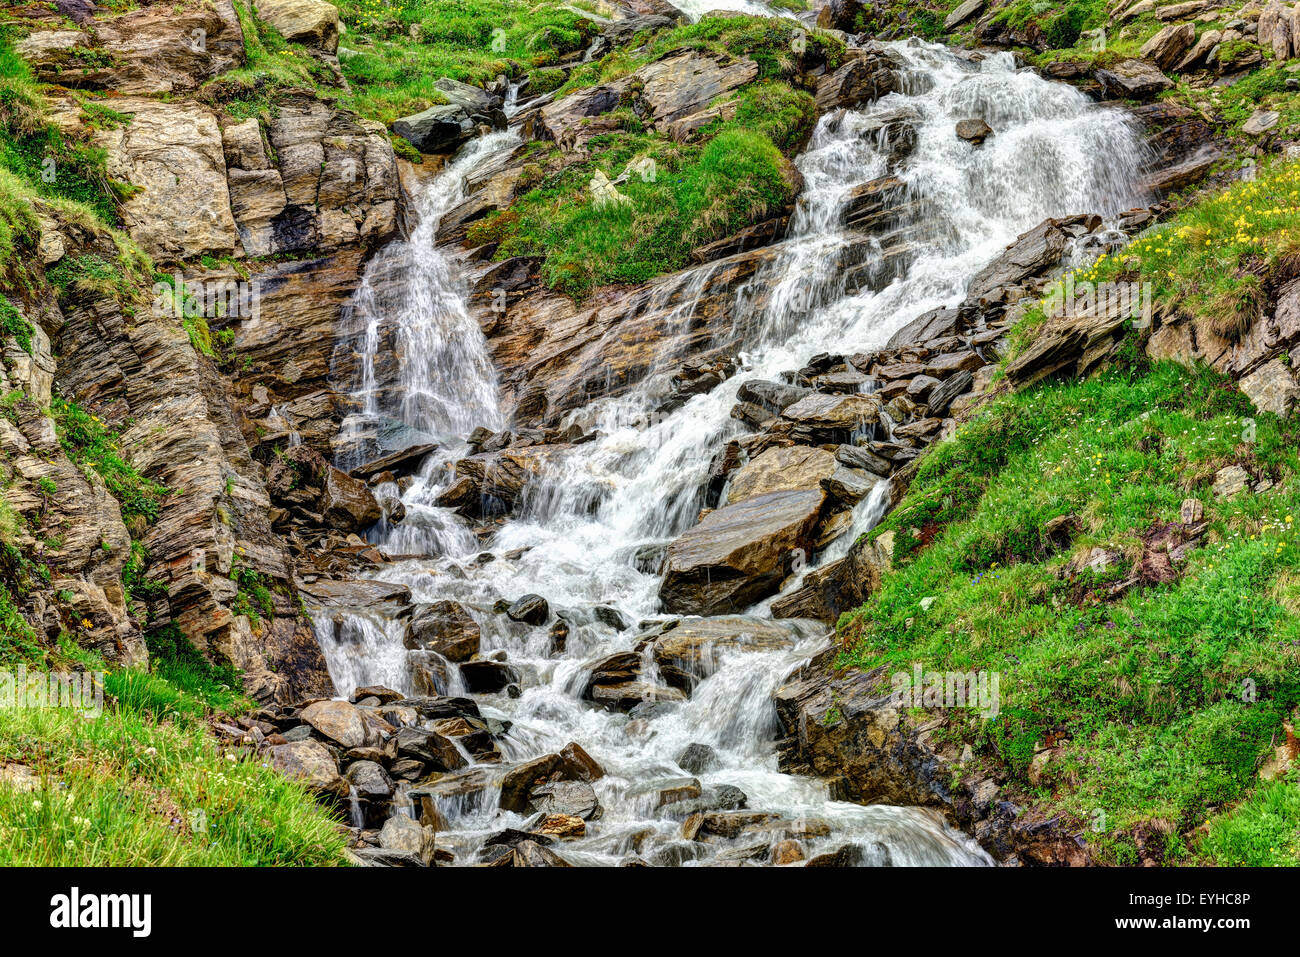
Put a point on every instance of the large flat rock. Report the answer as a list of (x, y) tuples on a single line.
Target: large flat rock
[(739, 554)]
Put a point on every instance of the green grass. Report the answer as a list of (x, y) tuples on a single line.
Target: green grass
[(1145, 690), (12, 324), (89, 443), (144, 784), (680, 196), (394, 52), (1264, 831)]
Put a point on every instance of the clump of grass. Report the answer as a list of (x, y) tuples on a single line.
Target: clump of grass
[(13, 324), (88, 442), (679, 196)]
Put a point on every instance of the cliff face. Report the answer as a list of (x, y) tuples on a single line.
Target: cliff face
[(264, 222)]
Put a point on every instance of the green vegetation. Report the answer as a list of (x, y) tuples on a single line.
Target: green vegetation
[(1262, 831), (1060, 23), (1215, 258), (89, 443), (47, 160), (144, 783), (1164, 697), (13, 324), (678, 196), (394, 52), (273, 68)]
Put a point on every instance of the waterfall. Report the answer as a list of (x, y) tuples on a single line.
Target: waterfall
[(638, 483), (411, 308)]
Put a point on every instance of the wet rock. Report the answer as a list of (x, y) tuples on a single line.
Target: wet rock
[(831, 418), (848, 486), (729, 824), (860, 458), (383, 857), (531, 610), (430, 672), (1033, 252), (370, 780), (519, 781), (973, 131), (841, 585), (628, 695), (690, 651), (439, 129), (339, 721), (578, 765), (513, 837), (488, 677), (445, 627), (698, 758), (430, 747), (347, 503), (780, 470), (569, 798), (786, 852), (860, 79), (562, 826), (740, 553), (533, 854), (677, 853), (773, 397), (612, 617), (405, 835), (847, 855)]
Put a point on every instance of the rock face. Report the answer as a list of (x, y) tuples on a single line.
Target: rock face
[(173, 152), (149, 50), (740, 553), (848, 729), (781, 470), (1167, 47)]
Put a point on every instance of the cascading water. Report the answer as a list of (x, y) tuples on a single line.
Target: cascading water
[(638, 483)]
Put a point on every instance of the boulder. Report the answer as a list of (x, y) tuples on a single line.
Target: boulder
[(1033, 252), (967, 10), (439, 129), (841, 585), (347, 503), (405, 835), (780, 470), (445, 627), (1230, 481), (740, 553), (488, 677), (831, 418), (431, 747), (1134, 79), (531, 610), (339, 721), (1271, 388), (1167, 47), (311, 763), (974, 131), (698, 758), (311, 22), (567, 798), (690, 650)]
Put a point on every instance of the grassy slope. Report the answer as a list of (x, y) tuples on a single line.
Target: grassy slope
[(1145, 692), (729, 175)]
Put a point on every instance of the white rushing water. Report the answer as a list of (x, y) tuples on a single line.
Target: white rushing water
[(639, 483)]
